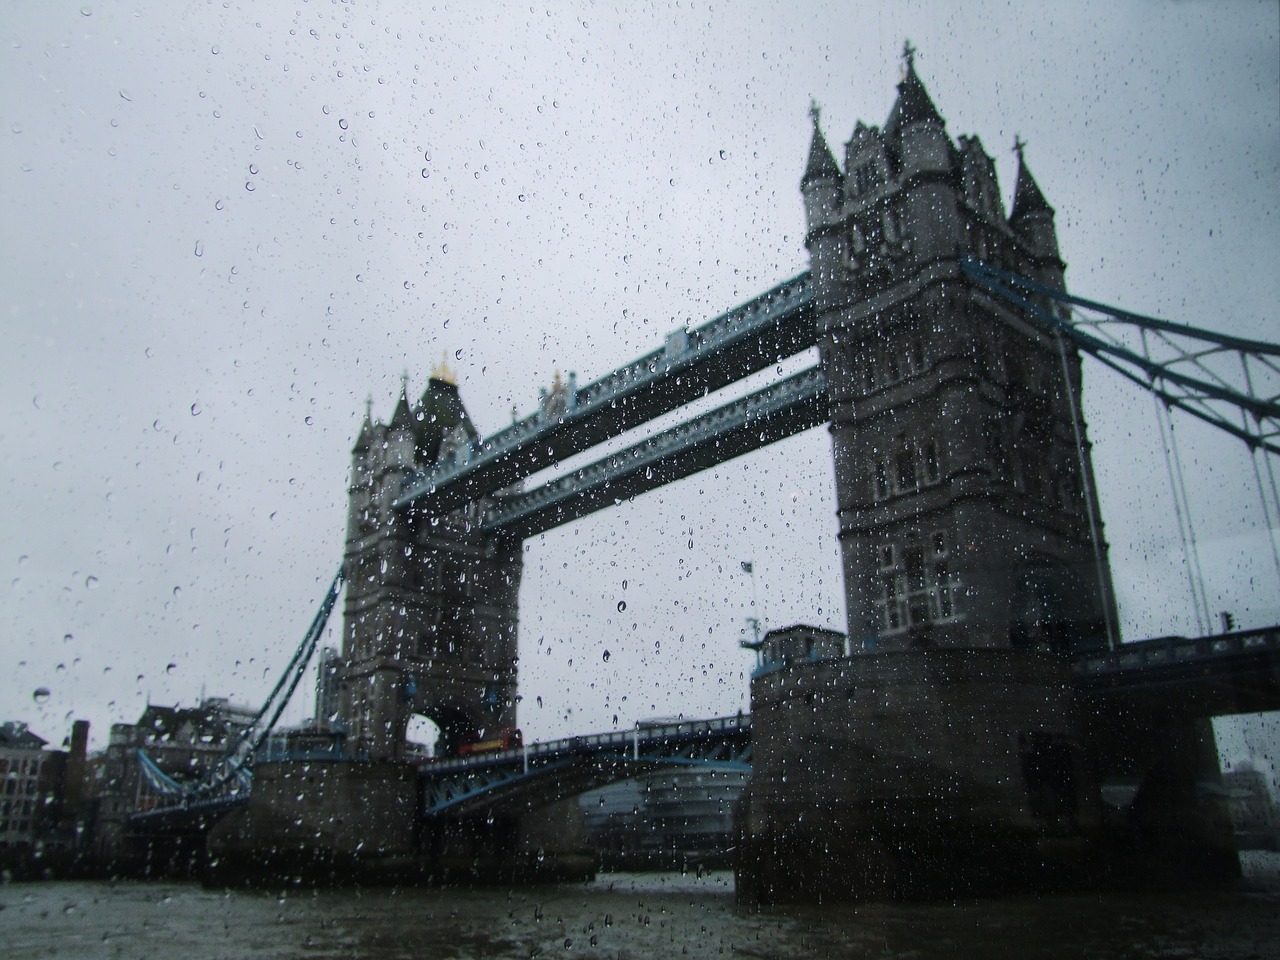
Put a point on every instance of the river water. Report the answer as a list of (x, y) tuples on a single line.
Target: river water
[(631, 916)]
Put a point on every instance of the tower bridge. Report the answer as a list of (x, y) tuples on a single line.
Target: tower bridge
[(959, 740)]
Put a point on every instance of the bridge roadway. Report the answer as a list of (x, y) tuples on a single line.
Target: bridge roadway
[(691, 364), (1190, 678), (536, 774), (1177, 677)]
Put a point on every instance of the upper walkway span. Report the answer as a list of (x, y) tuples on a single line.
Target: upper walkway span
[(691, 364)]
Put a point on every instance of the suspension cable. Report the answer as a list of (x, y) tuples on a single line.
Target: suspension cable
[(1191, 530), (1090, 498), (1163, 425), (1253, 461)]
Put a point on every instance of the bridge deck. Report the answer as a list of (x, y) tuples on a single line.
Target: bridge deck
[(539, 773)]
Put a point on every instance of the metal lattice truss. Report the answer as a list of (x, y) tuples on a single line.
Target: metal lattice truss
[(1228, 382), (778, 411), (540, 773), (231, 777)]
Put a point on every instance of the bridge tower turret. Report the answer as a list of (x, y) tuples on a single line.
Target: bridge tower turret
[(431, 605), (945, 753)]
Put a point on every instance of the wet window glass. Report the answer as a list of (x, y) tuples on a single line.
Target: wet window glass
[(602, 467)]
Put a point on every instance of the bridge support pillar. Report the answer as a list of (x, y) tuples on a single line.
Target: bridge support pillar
[(1167, 817), (319, 822), (546, 844), (914, 773)]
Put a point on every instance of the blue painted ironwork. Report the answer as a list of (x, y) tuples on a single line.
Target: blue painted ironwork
[(231, 775), (1240, 396), (778, 411), (542, 772), (774, 325), (1149, 661)]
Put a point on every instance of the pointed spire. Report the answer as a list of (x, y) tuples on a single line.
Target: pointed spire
[(365, 438), (821, 165), (402, 417), (913, 104), (1027, 196)]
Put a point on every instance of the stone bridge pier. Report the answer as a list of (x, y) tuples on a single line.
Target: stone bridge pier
[(914, 774), (325, 823)]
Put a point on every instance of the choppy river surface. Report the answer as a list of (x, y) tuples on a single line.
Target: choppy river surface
[(633, 916)]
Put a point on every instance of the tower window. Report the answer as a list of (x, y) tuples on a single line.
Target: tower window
[(930, 450), (864, 178), (915, 465), (912, 591), (906, 469)]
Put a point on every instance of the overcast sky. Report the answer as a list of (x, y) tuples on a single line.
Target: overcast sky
[(225, 224)]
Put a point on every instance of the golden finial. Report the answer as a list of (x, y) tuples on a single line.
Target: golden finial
[(443, 372)]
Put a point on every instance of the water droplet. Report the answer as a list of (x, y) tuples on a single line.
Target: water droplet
[(199, 248), (215, 50), (722, 155), (457, 354), (41, 695), (170, 668), (86, 11), (606, 656), (342, 124), (624, 584), (253, 169), (90, 582), (425, 173), (196, 409), (622, 605), (217, 205), (177, 591), (248, 186), (308, 421)]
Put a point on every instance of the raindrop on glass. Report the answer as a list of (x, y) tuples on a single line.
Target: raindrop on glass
[(196, 410), (41, 695), (622, 605)]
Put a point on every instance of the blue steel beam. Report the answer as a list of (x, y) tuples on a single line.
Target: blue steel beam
[(692, 363), (1229, 382), (778, 411), (540, 773)]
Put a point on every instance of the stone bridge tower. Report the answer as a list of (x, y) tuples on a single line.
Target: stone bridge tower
[(944, 755), (431, 604)]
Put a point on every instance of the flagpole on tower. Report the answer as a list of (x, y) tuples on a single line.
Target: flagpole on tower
[(749, 567)]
